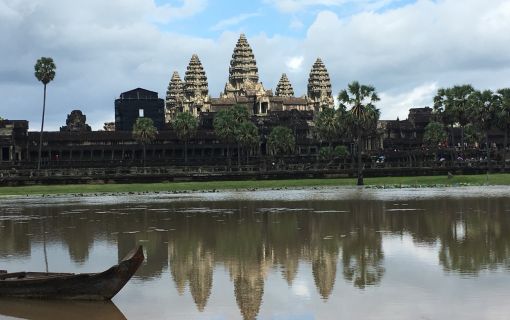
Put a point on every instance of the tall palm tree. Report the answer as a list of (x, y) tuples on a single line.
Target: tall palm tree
[(185, 126), (361, 116), (484, 111), (455, 104), (503, 116), (281, 141), (45, 73), (248, 137), (327, 125), (144, 132)]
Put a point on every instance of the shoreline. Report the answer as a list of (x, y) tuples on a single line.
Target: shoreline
[(253, 185)]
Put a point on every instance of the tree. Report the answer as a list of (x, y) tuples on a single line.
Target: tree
[(327, 125), (484, 111), (227, 124), (45, 73), (503, 116), (281, 141), (434, 135), (144, 132), (248, 137), (185, 126), (361, 116), (454, 105)]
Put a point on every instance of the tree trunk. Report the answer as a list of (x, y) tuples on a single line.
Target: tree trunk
[(229, 163), (505, 144), (185, 153), (239, 156), (488, 152), (462, 137), (144, 155), (41, 134), (360, 166)]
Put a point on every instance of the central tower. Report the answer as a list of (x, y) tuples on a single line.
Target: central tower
[(243, 71)]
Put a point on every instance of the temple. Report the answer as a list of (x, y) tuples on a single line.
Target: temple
[(243, 87)]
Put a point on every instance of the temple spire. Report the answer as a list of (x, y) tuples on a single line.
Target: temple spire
[(174, 96), (284, 87), (196, 89), (243, 66), (319, 86)]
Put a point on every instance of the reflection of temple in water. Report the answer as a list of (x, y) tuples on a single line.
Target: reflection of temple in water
[(251, 239)]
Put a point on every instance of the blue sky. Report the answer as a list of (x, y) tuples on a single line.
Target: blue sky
[(407, 49), (266, 16)]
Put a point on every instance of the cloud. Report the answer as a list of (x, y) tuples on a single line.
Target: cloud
[(104, 48), (398, 105), (294, 64), (289, 6), (233, 21)]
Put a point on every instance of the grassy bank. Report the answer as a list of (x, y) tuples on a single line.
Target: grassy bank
[(495, 179)]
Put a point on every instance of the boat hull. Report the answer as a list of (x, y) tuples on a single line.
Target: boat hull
[(86, 286)]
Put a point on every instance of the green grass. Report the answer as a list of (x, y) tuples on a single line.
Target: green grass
[(395, 182)]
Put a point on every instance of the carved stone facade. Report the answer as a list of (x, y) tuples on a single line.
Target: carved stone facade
[(243, 87), (76, 122), (174, 97), (284, 88), (319, 87), (196, 89)]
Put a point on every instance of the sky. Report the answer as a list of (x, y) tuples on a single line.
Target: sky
[(407, 49)]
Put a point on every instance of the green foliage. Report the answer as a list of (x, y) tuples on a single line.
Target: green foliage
[(185, 125), (472, 134), (454, 104), (434, 134), (144, 131), (358, 101), (484, 107), (330, 153), (503, 110), (227, 122), (248, 135), (327, 125), (281, 141), (45, 70)]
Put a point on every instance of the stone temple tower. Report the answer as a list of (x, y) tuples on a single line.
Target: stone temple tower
[(196, 90), (243, 69), (319, 87), (174, 97), (284, 88)]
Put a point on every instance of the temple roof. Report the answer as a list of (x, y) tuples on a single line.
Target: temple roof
[(243, 65), (175, 91), (195, 80), (319, 81), (284, 88)]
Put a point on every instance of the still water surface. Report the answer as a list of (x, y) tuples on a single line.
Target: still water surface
[(275, 254)]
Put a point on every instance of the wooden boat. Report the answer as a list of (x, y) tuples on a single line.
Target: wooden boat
[(83, 286)]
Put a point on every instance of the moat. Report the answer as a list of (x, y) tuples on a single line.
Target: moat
[(317, 253)]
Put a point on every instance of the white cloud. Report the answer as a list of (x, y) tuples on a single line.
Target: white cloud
[(233, 21), (104, 48), (294, 64), (398, 105)]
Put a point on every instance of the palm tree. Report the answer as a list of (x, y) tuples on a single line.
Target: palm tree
[(362, 115), (503, 116), (227, 124), (281, 141), (248, 136), (144, 132), (185, 126), (434, 135), (45, 73), (455, 105), (484, 111), (327, 125)]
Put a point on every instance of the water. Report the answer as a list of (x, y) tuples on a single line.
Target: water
[(273, 254)]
